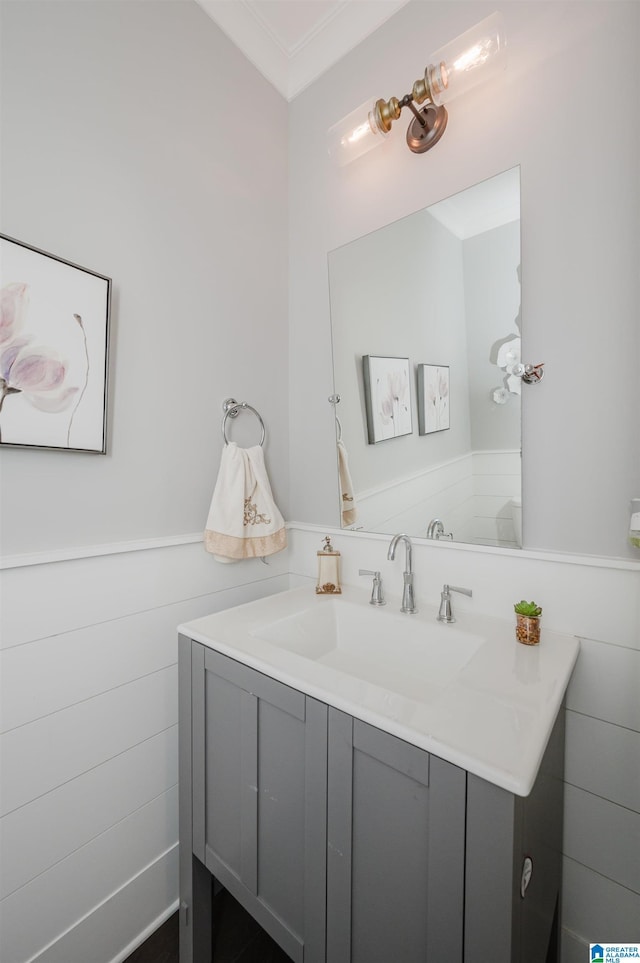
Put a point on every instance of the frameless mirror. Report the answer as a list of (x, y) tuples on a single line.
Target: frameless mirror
[(426, 325)]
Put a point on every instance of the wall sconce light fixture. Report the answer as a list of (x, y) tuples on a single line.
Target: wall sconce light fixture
[(470, 59)]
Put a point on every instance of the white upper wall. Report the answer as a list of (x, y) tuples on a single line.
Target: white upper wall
[(126, 149), (577, 144)]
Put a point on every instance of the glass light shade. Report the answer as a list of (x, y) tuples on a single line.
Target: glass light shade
[(355, 134), (470, 59)]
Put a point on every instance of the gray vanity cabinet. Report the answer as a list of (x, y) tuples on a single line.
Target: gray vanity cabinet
[(259, 797), (395, 856), (347, 844)]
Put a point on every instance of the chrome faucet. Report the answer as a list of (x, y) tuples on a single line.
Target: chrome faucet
[(436, 530), (445, 614), (408, 602)]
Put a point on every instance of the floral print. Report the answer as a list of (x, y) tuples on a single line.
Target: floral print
[(13, 308), (34, 371), (433, 384), (394, 398)]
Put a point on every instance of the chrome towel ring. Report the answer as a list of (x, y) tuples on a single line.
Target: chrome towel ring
[(231, 408)]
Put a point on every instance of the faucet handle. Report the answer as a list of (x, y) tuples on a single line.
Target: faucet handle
[(436, 530), (445, 614), (456, 588), (377, 596)]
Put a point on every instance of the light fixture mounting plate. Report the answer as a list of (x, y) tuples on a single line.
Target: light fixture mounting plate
[(421, 139)]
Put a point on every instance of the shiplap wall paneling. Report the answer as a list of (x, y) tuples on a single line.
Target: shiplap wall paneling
[(41, 755), (594, 906), (605, 682), (114, 926), (604, 759), (56, 900), (70, 816), (88, 743), (603, 836), (85, 591), (101, 656)]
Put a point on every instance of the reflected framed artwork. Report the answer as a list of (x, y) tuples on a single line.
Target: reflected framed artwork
[(433, 398), (387, 397), (54, 348)]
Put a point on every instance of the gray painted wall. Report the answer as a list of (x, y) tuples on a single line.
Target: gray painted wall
[(492, 307), (123, 151), (580, 244), (390, 292)]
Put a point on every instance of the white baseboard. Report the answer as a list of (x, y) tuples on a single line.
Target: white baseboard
[(146, 933), (151, 894)]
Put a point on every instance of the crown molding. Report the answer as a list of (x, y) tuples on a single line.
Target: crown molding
[(291, 65)]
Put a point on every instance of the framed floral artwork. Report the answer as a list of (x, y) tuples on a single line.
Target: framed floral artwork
[(433, 398), (54, 346), (387, 397)]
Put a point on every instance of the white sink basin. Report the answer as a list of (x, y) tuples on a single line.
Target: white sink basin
[(386, 648), (467, 692)]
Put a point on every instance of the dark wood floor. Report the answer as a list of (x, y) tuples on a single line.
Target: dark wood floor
[(161, 947), (238, 939)]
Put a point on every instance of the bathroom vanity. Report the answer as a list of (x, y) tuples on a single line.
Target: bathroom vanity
[(371, 786)]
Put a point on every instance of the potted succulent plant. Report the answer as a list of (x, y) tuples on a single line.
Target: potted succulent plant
[(527, 622)]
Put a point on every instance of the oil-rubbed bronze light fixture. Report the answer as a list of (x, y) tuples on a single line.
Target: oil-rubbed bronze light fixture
[(470, 59)]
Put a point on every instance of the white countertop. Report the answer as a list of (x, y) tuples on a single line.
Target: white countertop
[(493, 716)]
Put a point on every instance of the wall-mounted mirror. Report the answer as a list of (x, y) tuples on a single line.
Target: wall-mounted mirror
[(426, 326)]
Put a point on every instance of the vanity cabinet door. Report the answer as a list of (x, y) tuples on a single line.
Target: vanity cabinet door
[(395, 856), (259, 801)]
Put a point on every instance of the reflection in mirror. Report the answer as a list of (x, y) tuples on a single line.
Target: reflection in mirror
[(440, 288)]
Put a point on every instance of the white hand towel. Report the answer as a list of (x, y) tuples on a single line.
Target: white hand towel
[(348, 505), (244, 521)]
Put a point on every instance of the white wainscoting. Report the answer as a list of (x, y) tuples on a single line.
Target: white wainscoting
[(601, 886), (445, 492), (88, 739), (496, 482), (88, 727), (602, 791), (471, 495)]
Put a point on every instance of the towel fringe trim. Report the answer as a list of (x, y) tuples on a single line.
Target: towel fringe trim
[(230, 547)]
